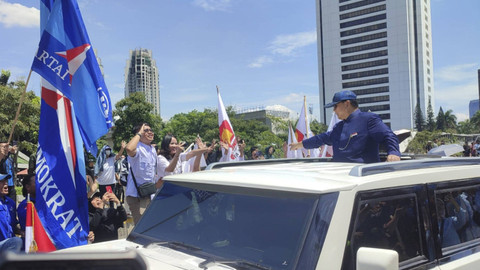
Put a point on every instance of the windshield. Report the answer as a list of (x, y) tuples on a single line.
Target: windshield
[(269, 228)]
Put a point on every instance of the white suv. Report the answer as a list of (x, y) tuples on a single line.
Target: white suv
[(313, 214)]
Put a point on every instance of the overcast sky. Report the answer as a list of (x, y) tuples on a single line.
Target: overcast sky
[(259, 52)]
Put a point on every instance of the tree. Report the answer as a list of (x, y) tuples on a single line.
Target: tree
[(186, 126), (450, 120), (475, 121), (441, 120), (430, 117), (419, 119), (4, 77), (466, 127), (130, 112), (26, 128), (317, 127)]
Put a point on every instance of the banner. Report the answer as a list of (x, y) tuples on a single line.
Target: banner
[(75, 111)]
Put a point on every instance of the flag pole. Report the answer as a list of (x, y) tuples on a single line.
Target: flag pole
[(19, 107), (306, 120)]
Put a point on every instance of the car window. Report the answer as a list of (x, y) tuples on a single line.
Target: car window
[(386, 222), (265, 228), (458, 215)]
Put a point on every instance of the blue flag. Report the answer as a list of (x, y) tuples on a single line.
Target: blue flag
[(65, 58), (75, 112)]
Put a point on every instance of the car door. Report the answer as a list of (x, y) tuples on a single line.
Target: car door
[(456, 220), (395, 219)]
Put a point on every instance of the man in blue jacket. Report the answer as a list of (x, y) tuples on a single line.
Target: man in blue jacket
[(357, 137), (8, 219)]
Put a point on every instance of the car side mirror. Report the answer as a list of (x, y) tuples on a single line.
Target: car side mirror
[(377, 259)]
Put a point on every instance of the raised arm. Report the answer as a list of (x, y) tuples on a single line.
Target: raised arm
[(131, 146)]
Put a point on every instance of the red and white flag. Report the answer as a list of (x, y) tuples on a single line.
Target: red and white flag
[(302, 131), (36, 239), (227, 136), (292, 139)]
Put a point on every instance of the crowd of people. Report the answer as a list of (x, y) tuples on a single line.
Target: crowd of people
[(471, 149)]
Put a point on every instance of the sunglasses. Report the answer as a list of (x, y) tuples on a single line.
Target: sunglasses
[(148, 130), (335, 106)]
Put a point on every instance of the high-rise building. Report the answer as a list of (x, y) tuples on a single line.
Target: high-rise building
[(141, 75), (382, 51)]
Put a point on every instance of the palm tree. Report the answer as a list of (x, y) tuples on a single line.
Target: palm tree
[(450, 120)]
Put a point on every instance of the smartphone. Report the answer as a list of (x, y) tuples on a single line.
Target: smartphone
[(109, 190)]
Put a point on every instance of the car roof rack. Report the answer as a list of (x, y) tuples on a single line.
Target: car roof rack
[(384, 167)]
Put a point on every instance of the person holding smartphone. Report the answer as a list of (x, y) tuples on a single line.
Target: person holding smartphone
[(105, 167), (105, 222)]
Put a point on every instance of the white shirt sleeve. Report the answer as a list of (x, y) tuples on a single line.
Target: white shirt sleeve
[(162, 164)]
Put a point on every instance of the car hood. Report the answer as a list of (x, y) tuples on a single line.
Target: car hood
[(156, 257)]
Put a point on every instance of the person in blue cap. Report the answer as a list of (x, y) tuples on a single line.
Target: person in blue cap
[(357, 137)]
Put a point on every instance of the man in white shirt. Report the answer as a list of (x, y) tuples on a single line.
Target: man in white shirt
[(142, 158)]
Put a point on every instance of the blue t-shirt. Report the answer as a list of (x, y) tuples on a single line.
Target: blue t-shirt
[(8, 218), (357, 138)]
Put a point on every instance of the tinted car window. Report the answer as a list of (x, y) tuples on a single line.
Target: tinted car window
[(269, 229), (388, 223), (458, 214)]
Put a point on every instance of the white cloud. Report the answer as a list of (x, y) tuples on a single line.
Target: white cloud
[(213, 5), (455, 97), (260, 61), (461, 117), (287, 45), (13, 14), (455, 87), (457, 73)]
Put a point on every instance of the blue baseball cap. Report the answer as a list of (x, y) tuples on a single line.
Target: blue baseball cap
[(4, 176), (341, 96)]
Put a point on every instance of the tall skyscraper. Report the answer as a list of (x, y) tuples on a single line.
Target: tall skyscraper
[(379, 49), (141, 75)]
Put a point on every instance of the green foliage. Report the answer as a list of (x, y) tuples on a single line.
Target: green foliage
[(132, 111), (450, 121), (317, 127), (4, 77), (430, 117), (475, 121), (466, 127), (419, 119), (441, 120), (186, 126), (26, 128), (425, 139)]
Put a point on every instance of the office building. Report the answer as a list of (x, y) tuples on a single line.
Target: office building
[(382, 51), (141, 75), (265, 115)]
